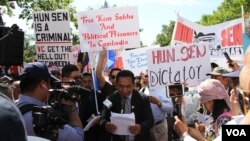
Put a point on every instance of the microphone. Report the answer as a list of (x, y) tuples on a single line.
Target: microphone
[(107, 103)]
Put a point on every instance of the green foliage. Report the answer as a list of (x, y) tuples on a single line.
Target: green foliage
[(228, 10), (29, 49), (7, 7), (165, 37)]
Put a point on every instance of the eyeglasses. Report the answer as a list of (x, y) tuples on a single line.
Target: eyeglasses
[(113, 76)]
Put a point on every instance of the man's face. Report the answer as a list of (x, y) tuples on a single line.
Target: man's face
[(112, 78), (87, 82), (125, 86), (223, 80), (75, 75)]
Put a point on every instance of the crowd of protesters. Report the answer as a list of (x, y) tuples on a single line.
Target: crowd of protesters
[(224, 97)]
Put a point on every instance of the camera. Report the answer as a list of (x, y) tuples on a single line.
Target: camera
[(48, 119)]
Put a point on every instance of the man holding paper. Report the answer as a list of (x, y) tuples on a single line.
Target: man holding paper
[(127, 100)]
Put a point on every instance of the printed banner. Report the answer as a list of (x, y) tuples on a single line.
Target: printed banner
[(224, 37), (112, 28), (178, 64), (53, 38)]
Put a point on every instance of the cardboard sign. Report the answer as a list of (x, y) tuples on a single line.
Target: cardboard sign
[(112, 28), (53, 38), (178, 64)]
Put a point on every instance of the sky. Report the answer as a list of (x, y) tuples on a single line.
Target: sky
[(152, 13)]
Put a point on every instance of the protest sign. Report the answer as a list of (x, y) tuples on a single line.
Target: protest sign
[(224, 37), (53, 39), (135, 60), (112, 28), (178, 64)]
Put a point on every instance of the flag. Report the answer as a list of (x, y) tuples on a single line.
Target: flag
[(118, 63), (96, 83), (111, 59), (82, 60)]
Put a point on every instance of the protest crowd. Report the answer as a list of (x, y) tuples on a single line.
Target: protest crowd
[(174, 93)]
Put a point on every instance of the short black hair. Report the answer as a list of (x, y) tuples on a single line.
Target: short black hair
[(68, 69), (30, 84), (86, 74), (112, 70), (125, 73)]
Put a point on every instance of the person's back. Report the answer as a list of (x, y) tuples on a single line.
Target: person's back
[(11, 124)]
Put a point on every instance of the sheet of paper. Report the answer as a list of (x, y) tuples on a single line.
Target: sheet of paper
[(122, 122), (92, 123)]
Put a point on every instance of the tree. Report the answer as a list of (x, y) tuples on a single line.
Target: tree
[(228, 10), (7, 6), (29, 49), (165, 37)]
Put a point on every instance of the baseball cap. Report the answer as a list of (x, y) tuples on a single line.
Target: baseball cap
[(37, 70), (218, 71)]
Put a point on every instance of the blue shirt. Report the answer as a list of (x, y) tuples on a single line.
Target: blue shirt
[(160, 113), (68, 133)]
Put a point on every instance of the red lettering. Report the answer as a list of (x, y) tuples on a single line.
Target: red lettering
[(190, 35), (178, 32), (156, 56), (199, 53), (224, 38), (232, 36), (183, 33), (229, 36), (237, 34), (184, 50), (40, 48)]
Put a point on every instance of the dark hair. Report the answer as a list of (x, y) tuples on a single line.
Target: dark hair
[(112, 70), (126, 73), (68, 69), (220, 106), (85, 74), (30, 84)]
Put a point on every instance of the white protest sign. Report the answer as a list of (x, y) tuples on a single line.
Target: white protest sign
[(53, 41), (178, 64), (224, 37), (112, 28), (135, 60)]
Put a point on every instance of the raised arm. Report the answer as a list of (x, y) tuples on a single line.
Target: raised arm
[(99, 76)]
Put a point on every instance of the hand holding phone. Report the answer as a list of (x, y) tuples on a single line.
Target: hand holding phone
[(229, 60), (175, 90)]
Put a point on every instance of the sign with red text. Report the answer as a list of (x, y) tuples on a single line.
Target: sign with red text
[(136, 60), (177, 64), (224, 37), (112, 28), (53, 38)]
